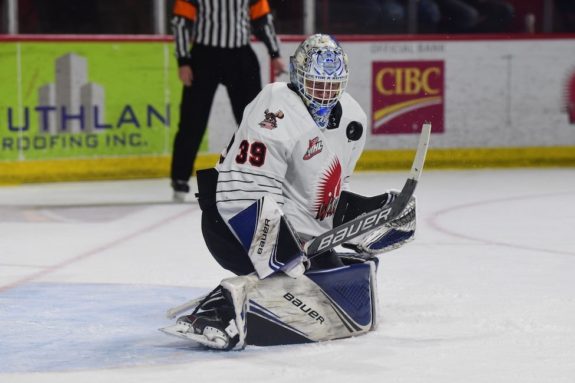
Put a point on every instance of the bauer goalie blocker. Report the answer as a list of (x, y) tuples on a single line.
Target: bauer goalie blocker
[(318, 306)]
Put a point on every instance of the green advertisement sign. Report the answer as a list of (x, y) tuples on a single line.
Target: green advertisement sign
[(87, 99)]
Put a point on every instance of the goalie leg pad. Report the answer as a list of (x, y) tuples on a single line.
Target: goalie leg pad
[(318, 306)]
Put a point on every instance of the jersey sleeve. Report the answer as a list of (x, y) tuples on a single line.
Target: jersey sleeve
[(263, 26), (255, 162)]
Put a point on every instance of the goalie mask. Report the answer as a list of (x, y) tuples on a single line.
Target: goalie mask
[(319, 72)]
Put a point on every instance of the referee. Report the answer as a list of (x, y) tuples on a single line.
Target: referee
[(213, 47)]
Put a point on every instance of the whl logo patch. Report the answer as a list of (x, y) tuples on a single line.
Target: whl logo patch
[(315, 147)]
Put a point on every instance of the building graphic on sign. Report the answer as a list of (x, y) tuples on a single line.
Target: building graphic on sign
[(71, 104)]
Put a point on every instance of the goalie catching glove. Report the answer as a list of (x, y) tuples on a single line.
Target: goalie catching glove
[(388, 237)]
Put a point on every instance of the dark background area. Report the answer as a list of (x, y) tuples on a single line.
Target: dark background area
[(332, 16)]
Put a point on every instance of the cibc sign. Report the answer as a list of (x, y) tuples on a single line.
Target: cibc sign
[(405, 94)]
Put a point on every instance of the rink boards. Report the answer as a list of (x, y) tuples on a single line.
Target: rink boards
[(80, 108)]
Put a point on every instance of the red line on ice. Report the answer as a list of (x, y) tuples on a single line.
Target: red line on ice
[(97, 250), (432, 221)]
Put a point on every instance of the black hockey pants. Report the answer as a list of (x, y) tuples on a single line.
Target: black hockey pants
[(223, 245), (239, 71)]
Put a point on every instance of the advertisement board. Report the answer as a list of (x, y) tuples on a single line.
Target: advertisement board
[(86, 99), (93, 108)]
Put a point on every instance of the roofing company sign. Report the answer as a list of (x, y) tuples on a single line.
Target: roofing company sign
[(124, 112)]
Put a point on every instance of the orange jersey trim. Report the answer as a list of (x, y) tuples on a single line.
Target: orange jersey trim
[(259, 9), (185, 9)]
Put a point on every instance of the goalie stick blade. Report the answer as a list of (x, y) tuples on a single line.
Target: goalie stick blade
[(183, 332), (186, 306), (177, 330), (378, 217), (421, 152)]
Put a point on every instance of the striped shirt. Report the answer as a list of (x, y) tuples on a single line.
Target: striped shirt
[(223, 24)]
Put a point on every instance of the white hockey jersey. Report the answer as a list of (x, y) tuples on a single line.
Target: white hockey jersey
[(279, 152)]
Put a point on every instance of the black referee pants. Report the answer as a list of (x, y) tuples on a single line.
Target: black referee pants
[(239, 71)]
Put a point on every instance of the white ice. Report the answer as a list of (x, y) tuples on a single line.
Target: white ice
[(486, 292)]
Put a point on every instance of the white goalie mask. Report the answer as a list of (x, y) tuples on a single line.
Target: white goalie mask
[(319, 71)]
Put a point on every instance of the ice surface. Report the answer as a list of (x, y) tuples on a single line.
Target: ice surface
[(486, 292)]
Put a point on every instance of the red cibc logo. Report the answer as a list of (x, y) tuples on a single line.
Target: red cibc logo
[(405, 94), (571, 99)]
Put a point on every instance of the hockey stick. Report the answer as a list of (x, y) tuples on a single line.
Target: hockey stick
[(376, 218)]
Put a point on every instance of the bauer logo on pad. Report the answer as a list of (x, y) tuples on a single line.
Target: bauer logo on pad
[(405, 94)]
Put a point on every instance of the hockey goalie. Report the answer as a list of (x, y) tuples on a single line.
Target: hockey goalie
[(282, 181)]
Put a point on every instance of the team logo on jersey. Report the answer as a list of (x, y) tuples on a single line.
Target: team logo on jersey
[(315, 147), (328, 192), (270, 120)]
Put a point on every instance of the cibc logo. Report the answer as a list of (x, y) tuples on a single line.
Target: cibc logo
[(405, 94), (570, 98)]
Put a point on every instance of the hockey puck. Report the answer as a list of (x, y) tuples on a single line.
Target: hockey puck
[(354, 131)]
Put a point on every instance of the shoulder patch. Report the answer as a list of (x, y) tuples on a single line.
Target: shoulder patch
[(270, 119), (315, 147)]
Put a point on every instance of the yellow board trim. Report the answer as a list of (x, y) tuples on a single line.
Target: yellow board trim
[(471, 158), (110, 168)]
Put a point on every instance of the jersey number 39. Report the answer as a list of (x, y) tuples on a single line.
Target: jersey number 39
[(254, 153)]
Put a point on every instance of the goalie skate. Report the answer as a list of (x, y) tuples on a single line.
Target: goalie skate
[(206, 331)]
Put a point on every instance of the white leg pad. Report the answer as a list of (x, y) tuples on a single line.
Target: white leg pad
[(317, 306)]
